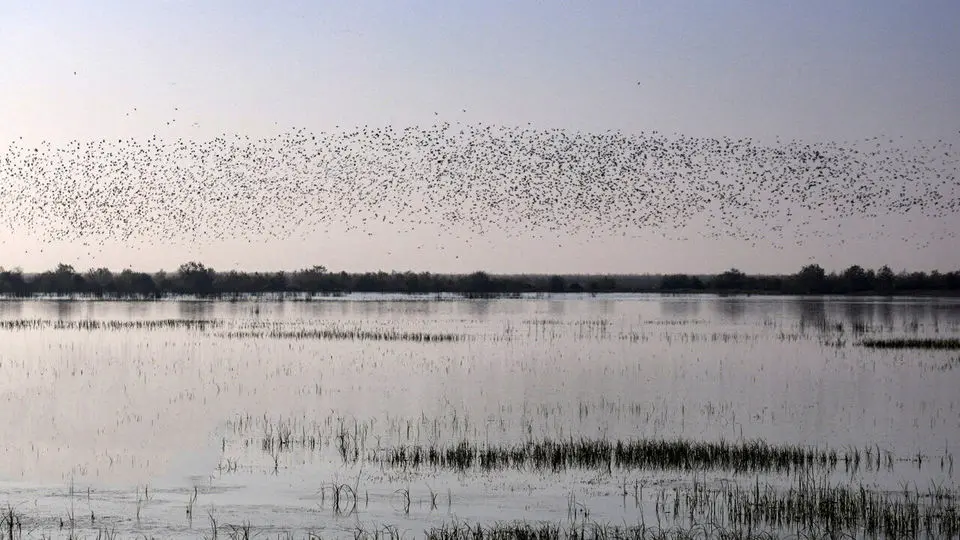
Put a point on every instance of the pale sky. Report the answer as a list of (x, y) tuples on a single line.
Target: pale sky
[(820, 71)]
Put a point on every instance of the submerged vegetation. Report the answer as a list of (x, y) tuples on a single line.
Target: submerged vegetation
[(194, 278)]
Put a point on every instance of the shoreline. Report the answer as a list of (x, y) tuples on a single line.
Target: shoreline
[(196, 279), (460, 296)]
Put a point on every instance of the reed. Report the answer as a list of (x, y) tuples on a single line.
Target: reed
[(403, 494), (951, 344), (109, 325), (648, 454), (590, 531), (11, 523), (344, 499), (349, 334), (240, 532), (191, 502), (213, 525), (817, 505), (251, 330)]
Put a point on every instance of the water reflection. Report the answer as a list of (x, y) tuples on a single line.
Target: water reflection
[(731, 309), (479, 308), (136, 310), (858, 315), (67, 308), (885, 315), (11, 309), (680, 308), (194, 310), (812, 313)]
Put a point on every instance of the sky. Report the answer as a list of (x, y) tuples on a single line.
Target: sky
[(814, 71)]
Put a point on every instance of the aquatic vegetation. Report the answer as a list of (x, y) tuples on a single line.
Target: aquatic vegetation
[(251, 329), (349, 334), (913, 343), (109, 325), (812, 514), (647, 454), (811, 505)]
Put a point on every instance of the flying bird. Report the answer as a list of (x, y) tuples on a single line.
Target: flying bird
[(477, 178)]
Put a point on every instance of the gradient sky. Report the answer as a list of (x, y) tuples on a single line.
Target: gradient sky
[(814, 70)]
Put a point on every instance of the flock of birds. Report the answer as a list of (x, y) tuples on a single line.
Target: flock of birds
[(518, 180)]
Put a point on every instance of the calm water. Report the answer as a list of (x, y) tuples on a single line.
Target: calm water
[(95, 414)]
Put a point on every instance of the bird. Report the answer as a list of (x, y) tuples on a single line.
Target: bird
[(475, 179)]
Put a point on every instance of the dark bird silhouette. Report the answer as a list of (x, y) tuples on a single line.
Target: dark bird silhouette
[(473, 177)]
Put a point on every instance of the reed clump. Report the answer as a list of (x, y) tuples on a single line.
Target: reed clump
[(589, 531), (651, 454), (346, 334), (817, 505), (251, 330), (951, 344), (113, 325)]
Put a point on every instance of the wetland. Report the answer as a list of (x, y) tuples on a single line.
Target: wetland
[(534, 416)]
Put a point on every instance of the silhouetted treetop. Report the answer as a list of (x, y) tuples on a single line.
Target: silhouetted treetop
[(194, 278)]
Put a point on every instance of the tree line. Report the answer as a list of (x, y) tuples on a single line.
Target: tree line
[(196, 279)]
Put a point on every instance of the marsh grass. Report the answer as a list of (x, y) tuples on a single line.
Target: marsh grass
[(11, 523), (950, 364), (352, 440), (649, 454), (589, 531), (817, 505), (249, 330), (111, 325), (349, 334), (433, 498), (675, 322), (240, 532), (190, 504), (343, 498), (951, 344), (213, 525), (810, 507), (403, 496)]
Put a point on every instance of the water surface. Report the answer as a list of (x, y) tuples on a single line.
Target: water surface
[(116, 411)]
